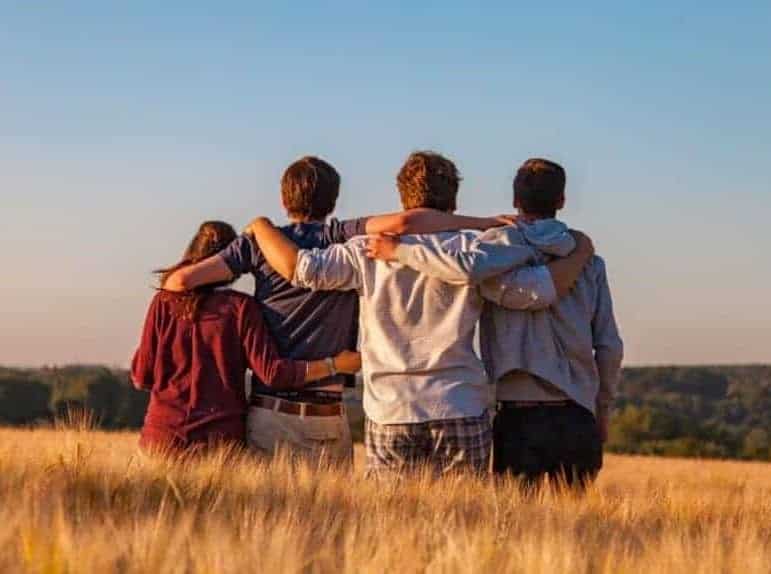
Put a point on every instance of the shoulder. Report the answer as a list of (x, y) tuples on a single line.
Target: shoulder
[(598, 263), (240, 254), (338, 231), (160, 300), (354, 248), (597, 268)]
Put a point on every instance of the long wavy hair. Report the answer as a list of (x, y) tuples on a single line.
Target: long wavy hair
[(211, 238)]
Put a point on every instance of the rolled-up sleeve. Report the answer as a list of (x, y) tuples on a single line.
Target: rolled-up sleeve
[(523, 289), (333, 269), (240, 256)]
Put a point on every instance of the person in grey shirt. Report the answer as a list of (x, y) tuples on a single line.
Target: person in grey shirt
[(425, 393), (558, 361)]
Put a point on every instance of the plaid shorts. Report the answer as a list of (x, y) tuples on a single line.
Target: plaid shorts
[(441, 445)]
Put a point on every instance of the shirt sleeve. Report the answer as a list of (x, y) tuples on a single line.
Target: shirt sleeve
[(262, 355), (143, 363), (342, 231), (485, 257), (241, 256), (523, 289), (333, 269), (608, 346)]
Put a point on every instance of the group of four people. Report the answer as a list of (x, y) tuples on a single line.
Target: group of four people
[(409, 290)]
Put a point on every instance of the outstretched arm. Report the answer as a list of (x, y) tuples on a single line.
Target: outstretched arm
[(236, 259), (491, 254), (499, 267), (425, 220), (279, 251), (211, 270)]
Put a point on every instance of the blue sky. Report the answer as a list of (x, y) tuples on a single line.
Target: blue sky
[(125, 124)]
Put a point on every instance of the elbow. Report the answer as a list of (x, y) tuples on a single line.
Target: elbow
[(611, 354)]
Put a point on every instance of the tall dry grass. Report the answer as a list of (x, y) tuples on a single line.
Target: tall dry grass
[(76, 500)]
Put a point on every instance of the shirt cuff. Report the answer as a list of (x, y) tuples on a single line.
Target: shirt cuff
[(303, 269)]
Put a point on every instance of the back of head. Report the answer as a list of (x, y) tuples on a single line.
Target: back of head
[(539, 188), (309, 188), (211, 238), (428, 179)]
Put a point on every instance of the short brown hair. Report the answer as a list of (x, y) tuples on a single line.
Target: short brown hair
[(428, 179), (309, 188), (539, 187)]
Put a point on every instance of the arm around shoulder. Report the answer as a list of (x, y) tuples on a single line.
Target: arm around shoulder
[(425, 220), (211, 270)]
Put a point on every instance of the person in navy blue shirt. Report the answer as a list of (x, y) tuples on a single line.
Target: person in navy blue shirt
[(308, 325)]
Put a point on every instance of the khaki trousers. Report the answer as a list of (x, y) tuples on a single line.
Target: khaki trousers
[(312, 438)]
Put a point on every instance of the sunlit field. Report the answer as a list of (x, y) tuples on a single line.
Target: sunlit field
[(86, 501)]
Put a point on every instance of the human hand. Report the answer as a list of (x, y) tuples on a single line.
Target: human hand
[(348, 362), (584, 243), (506, 219), (382, 247)]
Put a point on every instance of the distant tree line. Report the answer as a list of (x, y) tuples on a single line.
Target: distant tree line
[(33, 396), (716, 412)]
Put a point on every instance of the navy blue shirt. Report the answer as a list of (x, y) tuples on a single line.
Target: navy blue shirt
[(306, 325)]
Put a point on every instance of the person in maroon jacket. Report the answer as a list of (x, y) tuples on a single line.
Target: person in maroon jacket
[(196, 347)]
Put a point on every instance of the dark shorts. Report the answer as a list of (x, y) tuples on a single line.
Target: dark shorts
[(561, 443)]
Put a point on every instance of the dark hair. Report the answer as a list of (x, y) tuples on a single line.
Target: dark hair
[(309, 188), (211, 238), (428, 179), (539, 187)]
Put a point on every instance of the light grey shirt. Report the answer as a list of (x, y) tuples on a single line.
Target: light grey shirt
[(416, 331), (573, 344)]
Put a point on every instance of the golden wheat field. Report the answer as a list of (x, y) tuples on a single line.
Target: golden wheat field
[(85, 501)]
